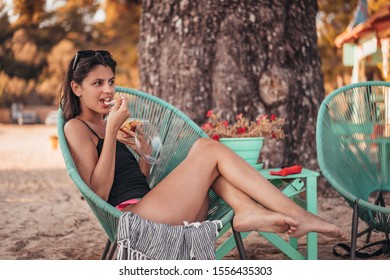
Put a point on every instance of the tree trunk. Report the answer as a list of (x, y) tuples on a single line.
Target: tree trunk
[(252, 57)]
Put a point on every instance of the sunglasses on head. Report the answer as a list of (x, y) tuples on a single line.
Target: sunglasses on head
[(88, 53)]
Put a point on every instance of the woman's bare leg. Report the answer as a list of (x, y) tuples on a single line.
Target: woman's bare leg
[(202, 215), (250, 216), (241, 175), (184, 191)]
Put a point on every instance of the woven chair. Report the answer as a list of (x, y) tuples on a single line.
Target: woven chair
[(178, 133), (353, 150)]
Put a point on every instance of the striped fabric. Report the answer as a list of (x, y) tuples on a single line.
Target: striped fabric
[(141, 239)]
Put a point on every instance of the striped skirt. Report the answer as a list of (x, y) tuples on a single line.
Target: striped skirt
[(139, 238)]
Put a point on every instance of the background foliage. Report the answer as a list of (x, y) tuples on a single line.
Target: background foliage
[(38, 38), (36, 46)]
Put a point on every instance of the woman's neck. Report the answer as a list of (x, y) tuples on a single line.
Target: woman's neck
[(94, 119)]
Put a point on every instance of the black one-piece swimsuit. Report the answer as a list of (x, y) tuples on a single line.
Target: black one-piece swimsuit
[(129, 182)]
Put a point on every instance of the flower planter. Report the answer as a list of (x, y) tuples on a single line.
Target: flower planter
[(246, 147)]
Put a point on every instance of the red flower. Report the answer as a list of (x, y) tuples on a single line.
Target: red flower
[(207, 126), (241, 130), (264, 126)]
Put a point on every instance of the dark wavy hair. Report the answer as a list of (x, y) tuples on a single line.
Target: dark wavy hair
[(77, 71)]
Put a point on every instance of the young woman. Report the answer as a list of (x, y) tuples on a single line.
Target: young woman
[(98, 148)]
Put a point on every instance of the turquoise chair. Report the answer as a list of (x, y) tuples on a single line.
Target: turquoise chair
[(353, 150), (178, 133)]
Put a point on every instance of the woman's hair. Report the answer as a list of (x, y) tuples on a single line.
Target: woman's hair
[(79, 67)]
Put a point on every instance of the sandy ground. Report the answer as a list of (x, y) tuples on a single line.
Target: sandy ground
[(43, 215)]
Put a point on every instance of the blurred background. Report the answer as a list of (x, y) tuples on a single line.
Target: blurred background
[(38, 38), (255, 57), (252, 57)]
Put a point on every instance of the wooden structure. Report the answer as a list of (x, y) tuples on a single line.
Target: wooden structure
[(367, 43)]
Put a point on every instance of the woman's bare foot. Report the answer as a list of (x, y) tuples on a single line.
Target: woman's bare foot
[(257, 218), (312, 223)]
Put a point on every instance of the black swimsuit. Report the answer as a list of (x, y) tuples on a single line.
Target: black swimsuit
[(129, 182)]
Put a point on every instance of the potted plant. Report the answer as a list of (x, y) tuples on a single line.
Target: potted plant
[(244, 137)]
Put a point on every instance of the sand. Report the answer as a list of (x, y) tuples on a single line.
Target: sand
[(44, 217)]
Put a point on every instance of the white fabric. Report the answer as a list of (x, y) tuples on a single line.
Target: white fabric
[(142, 239)]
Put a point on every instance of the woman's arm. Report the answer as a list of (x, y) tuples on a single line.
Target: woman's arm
[(126, 136), (82, 144), (145, 167), (97, 172)]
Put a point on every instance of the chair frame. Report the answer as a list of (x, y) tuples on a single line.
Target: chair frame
[(107, 215), (357, 204)]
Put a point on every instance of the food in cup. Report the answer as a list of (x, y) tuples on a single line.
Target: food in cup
[(131, 124)]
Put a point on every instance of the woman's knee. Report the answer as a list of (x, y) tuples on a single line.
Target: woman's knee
[(202, 144), (203, 148)]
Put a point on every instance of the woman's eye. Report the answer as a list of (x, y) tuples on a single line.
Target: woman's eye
[(111, 83)]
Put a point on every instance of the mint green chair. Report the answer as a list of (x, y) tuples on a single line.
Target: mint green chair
[(178, 133), (353, 150)]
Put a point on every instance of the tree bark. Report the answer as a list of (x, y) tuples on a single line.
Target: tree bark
[(251, 57)]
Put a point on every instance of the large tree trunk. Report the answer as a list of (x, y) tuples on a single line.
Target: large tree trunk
[(252, 57)]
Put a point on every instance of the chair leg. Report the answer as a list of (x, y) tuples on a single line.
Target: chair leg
[(379, 200), (112, 252), (368, 237), (354, 230), (106, 248), (239, 243), (386, 247)]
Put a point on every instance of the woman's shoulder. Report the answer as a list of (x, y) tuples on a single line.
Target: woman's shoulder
[(74, 125), (75, 128)]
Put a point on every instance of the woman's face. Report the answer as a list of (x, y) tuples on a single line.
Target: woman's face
[(97, 87)]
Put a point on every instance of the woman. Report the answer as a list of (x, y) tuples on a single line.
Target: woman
[(105, 164)]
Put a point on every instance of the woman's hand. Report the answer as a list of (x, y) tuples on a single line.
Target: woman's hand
[(118, 115), (126, 136), (143, 141)]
